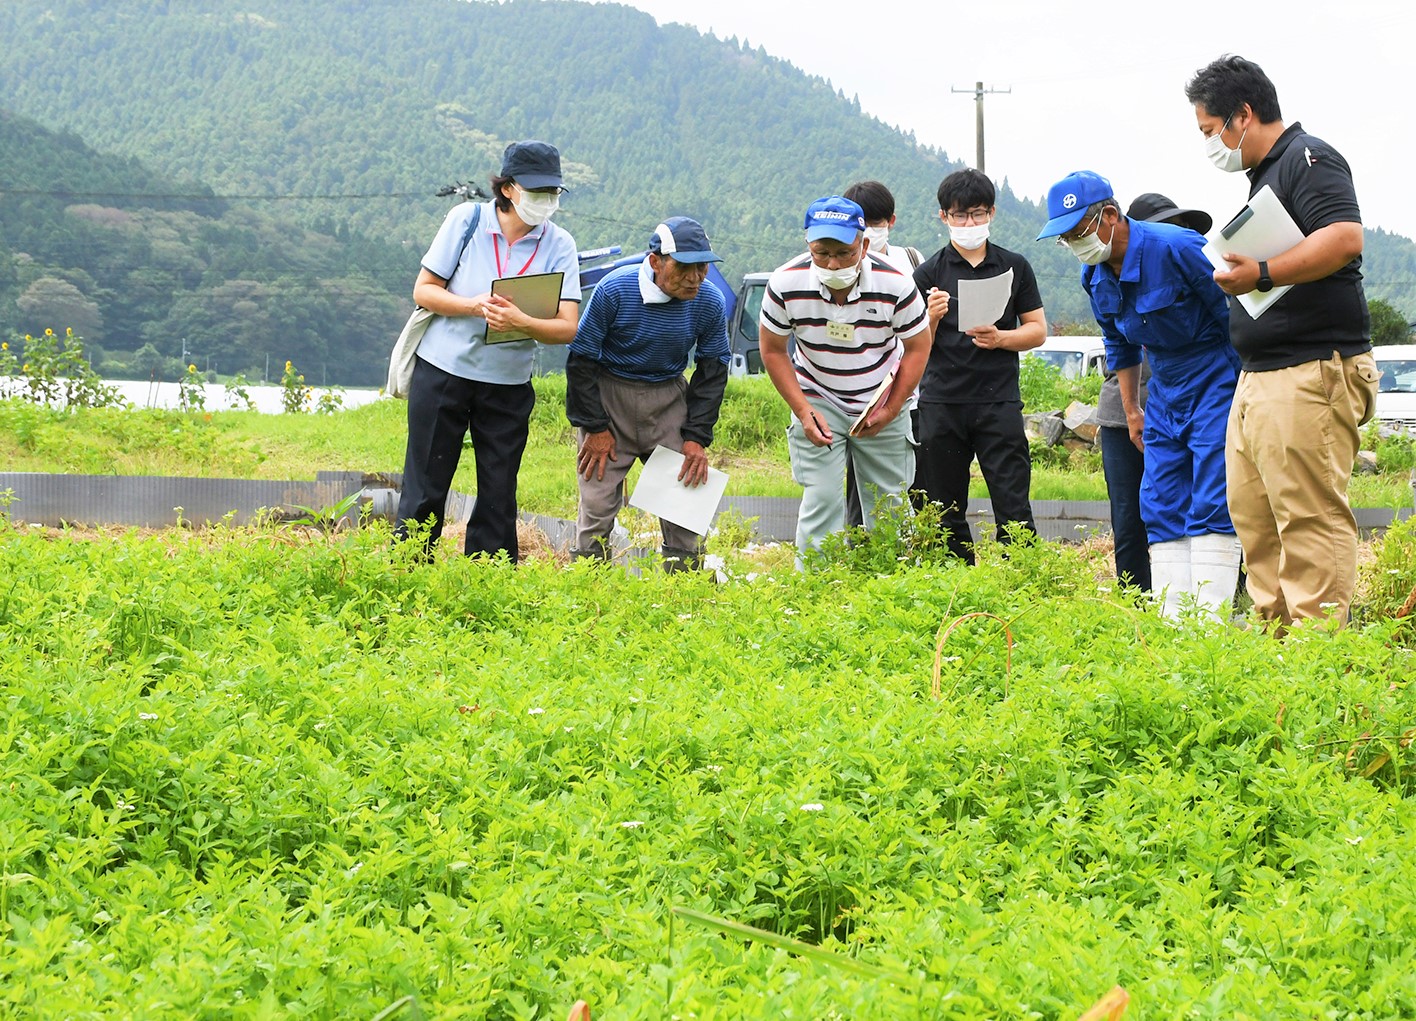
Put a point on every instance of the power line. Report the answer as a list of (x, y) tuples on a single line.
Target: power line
[(195, 197)]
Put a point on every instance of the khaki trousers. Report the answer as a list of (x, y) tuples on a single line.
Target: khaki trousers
[(1291, 443)]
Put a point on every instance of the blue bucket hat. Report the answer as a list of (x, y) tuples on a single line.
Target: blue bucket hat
[(682, 239), (1067, 201), (834, 217), (533, 165)]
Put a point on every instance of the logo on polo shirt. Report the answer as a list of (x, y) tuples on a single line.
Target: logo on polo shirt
[(1069, 202)]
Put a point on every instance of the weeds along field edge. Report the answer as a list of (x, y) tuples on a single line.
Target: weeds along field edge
[(247, 774)]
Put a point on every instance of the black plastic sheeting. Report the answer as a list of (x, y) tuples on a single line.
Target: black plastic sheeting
[(157, 502)]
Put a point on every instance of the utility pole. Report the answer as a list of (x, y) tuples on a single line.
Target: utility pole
[(979, 92)]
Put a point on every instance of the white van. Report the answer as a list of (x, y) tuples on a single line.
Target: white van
[(1074, 356), (1396, 393)]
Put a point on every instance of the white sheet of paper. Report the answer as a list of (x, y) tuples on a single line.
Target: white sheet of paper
[(659, 492), (981, 302), (1261, 230)]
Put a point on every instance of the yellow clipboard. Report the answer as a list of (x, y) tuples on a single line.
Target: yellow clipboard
[(538, 295)]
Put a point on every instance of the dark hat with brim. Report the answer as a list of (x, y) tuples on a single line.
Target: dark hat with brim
[(683, 240), (1153, 207), (533, 165)]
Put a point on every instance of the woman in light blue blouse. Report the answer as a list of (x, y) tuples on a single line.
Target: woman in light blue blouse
[(462, 384)]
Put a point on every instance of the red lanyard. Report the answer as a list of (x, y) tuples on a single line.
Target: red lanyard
[(497, 249)]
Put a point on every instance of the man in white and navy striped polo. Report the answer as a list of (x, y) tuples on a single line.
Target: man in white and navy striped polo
[(858, 323)]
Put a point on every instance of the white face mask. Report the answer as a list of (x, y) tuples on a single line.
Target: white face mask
[(1229, 160), (534, 208), (879, 238), (969, 238), (839, 279), (1089, 248)]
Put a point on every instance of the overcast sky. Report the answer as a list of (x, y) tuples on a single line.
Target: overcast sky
[(1100, 86)]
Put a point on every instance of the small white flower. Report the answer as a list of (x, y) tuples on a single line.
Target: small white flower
[(124, 806), (353, 870), (147, 716), (535, 711), (789, 611), (569, 729), (756, 645), (812, 806), (1354, 840), (321, 725), (633, 699), (631, 824), (685, 616), (713, 768)]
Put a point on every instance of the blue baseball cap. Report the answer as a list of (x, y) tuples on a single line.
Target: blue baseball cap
[(533, 164), (1067, 201), (682, 239), (834, 217)]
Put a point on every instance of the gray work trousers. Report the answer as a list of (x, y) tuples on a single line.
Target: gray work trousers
[(642, 416)]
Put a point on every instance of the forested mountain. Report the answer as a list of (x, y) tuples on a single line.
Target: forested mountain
[(128, 258), (322, 124)]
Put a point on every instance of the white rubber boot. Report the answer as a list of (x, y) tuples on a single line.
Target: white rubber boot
[(1170, 574), (1214, 572)]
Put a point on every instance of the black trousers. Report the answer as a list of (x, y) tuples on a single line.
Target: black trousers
[(951, 436), (1123, 466), (442, 409)]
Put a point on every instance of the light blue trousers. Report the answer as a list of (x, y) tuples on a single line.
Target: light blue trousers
[(884, 469)]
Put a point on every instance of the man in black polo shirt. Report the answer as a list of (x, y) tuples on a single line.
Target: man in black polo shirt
[(969, 402), (1308, 379)]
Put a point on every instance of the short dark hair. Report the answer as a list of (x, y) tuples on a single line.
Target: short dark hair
[(1225, 85), (499, 182), (874, 199), (964, 189)]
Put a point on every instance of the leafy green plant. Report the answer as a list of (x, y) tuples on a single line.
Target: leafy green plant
[(238, 393), (1045, 388), (294, 393), (325, 519), (1396, 453), (330, 401), (191, 391), (901, 537), (54, 371), (1389, 579)]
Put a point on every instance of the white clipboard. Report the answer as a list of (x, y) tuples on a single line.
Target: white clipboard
[(538, 295), (1261, 230)]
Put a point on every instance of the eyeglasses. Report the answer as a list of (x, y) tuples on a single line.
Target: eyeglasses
[(1076, 235), (970, 215), (542, 191)]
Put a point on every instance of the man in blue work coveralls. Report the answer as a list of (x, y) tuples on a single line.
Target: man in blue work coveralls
[(1152, 287)]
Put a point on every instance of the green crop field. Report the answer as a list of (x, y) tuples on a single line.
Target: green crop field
[(268, 773)]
